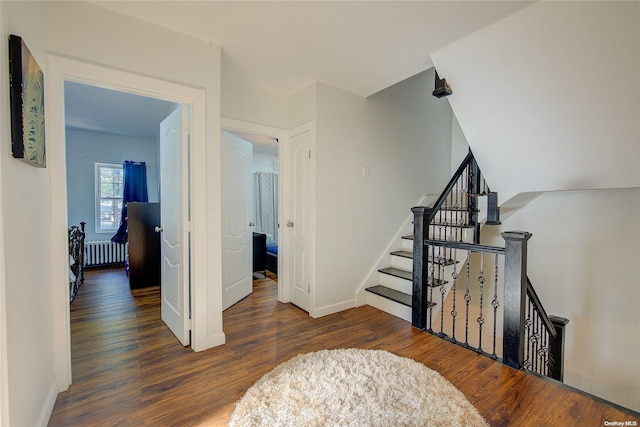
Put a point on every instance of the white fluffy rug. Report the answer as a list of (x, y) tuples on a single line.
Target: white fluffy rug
[(353, 387)]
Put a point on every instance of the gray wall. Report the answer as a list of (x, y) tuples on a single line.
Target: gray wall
[(84, 149)]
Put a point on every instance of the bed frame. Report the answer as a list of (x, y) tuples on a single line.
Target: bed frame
[(76, 258)]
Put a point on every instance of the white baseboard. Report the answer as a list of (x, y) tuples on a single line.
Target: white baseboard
[(47, 408), (333, 308), (210, 342)]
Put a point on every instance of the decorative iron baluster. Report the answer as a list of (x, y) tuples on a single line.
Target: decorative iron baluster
[(480, 320), (454, 276), (544, 349), (535, 340), (495, 304), (467, 299), (527, 325), (429, 284)]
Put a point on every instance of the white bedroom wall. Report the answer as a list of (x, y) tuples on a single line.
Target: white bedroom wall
[(549, 97), (403, 136), (582, 260), (262, 162), (84, 150)]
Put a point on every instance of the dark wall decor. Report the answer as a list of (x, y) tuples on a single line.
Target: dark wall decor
[(26, 83)]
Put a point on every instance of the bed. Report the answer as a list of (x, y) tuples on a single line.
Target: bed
[(265, 253), (272, 256)]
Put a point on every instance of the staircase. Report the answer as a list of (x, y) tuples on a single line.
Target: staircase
[(393, 294), (446, 283), (456, 220)]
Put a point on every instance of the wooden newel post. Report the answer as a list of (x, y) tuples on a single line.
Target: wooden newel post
[(420, 270), (515, 291), (556, 348)]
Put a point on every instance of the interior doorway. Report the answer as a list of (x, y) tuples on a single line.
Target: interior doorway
[(62, 70), (268, 145), (250, 232)]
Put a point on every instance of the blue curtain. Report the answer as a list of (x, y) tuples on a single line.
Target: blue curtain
[(135, 190)]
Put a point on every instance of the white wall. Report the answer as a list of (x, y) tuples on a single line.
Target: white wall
[(262, 162), (84, 150), (582, 262), (94, 35), (403, 135), (549, 97), (302, 105), (250, 103), (26, 198)]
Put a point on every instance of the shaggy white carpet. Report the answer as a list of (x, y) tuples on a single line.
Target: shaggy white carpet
[(352, 387)]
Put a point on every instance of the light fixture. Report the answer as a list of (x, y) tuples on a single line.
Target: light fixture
[(442, 88)]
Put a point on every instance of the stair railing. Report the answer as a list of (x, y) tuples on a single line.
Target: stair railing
[(501, 294)]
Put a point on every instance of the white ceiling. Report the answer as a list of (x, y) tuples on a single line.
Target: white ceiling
[(103, 110), (97, 109), (359, 46)]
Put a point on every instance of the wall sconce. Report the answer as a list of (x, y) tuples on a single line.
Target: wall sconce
[(442, 88)]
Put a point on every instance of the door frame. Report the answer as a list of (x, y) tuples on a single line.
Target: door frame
[(230, 124), (64, 69), (311, 221)]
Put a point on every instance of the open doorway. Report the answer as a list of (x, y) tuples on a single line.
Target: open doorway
[(121, 144), (250, 211), (103, 129), (206, 327), (250, 193)]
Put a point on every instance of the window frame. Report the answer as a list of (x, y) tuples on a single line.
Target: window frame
[(98, 166)]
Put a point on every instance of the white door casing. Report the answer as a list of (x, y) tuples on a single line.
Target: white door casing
[(174, 227), (300, 223), (237, 236), (282, 135), (205, 243)]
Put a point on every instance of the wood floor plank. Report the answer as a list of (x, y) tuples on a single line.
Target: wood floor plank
[(129, 370)]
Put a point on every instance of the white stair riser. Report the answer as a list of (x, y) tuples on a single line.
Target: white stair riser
[(396, 283), (407, 245), (389, 306), (402, 262)]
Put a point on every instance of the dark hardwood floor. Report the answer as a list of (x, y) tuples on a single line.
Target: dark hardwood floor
[(129, 370)]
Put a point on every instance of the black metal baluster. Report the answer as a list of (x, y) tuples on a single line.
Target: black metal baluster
[(535, 341), (454, 276), (480, 320), (527, 325), (467, 298), (495, 304), (429, 281), (545, 350)]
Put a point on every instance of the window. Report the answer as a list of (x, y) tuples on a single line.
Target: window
[(109, 186)]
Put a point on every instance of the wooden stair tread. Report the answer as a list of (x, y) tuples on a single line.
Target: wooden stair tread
[(403, 254), (393, 295), (408, 275)]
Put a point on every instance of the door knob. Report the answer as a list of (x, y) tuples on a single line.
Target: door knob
[(290, 224), (159, 229), (252, 224)]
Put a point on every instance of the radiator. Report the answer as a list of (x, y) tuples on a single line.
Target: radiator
[(104, 252)]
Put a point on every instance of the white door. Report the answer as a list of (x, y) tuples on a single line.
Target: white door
[(237, 234), (300, 222), (174, 188)]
